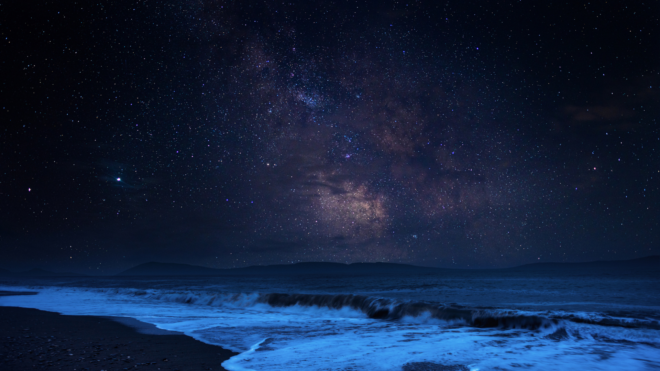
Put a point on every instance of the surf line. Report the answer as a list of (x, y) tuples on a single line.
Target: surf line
[(232, 363)]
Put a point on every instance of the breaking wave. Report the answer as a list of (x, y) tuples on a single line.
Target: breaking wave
[(309, 331), (393, 310)]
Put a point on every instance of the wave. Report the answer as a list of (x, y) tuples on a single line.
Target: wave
[(389, 309), (393, 310)]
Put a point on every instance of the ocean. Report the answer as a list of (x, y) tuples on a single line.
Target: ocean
[(451, 320)]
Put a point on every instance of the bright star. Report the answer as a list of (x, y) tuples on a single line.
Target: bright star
[(119, 179)]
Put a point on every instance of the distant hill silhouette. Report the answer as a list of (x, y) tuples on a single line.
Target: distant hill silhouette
[(648, 263), (174, 269), (169, 269), (640, 265), (37, 272), (335, 268)]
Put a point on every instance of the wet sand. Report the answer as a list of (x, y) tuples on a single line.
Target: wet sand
[(31, 339)]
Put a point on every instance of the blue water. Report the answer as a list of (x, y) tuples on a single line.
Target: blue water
[(479, 320)]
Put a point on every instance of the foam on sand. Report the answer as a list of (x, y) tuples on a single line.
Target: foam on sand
[(287, 332)]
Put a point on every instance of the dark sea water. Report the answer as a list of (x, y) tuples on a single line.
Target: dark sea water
[(455, 320)]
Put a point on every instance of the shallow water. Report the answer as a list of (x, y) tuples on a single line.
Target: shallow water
[(463, 320)]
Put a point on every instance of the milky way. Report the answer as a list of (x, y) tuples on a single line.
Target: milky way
[(230, 134)]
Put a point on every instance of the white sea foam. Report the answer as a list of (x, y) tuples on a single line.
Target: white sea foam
[(303, 337)]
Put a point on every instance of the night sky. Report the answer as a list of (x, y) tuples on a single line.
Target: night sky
[(464, 134)]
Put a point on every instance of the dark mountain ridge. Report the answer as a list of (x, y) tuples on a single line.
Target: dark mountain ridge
[(174, 269), (649, 263), (37, 272), (646, 263), (169, 269), (639, 265)]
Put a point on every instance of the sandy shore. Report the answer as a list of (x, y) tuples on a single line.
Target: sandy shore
[(36, 340)]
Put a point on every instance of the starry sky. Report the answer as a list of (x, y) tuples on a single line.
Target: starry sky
[(463, 134)]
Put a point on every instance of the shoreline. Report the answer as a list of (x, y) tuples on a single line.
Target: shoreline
[(33, 339)]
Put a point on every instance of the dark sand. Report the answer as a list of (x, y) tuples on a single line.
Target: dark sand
[(31, 339)]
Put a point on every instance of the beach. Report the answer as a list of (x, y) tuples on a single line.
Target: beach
[(492, 320), (36, 340)]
